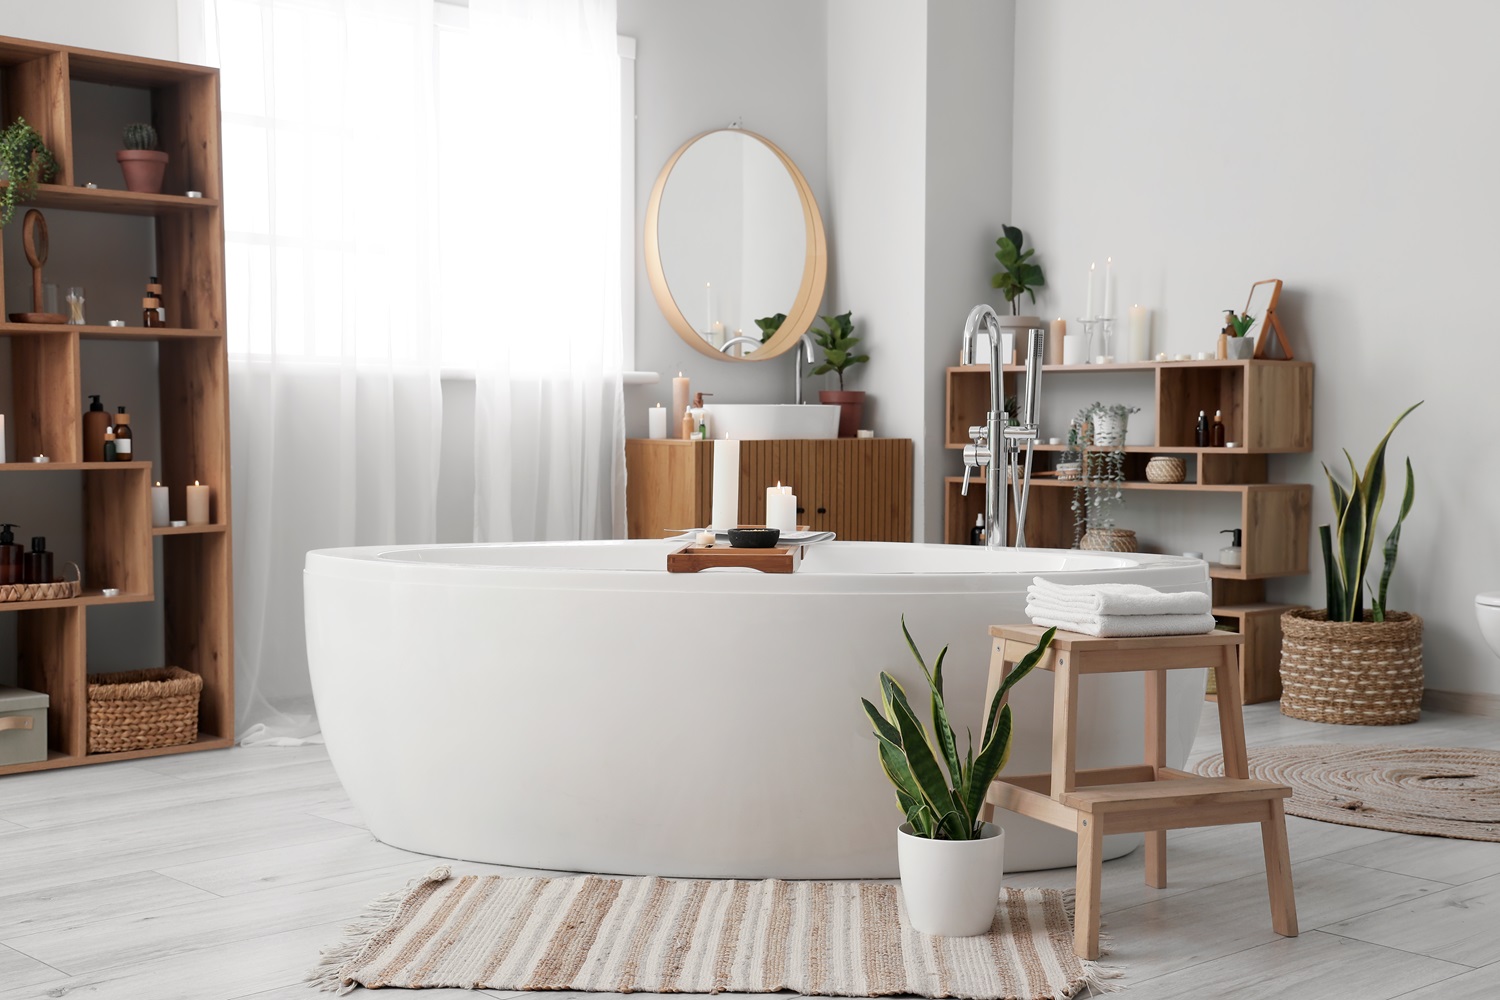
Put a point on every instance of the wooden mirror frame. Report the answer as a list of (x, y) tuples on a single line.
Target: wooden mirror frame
[(804, 309)]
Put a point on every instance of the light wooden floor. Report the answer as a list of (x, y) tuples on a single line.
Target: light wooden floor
[(217, 876)]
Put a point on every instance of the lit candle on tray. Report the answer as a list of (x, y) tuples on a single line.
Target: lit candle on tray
[(781, 508), (197, 503), (161, 515)]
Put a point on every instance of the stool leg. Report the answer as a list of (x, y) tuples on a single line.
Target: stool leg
[(1156, 756), (1086, 892), (1231, 715), (1279, 870)]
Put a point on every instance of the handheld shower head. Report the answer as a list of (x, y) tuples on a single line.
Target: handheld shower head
[(1036, 345)]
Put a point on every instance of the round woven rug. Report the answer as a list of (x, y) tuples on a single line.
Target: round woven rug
[(1432, 791)]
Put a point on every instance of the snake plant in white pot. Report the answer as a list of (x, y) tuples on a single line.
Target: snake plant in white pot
[(952, 862)]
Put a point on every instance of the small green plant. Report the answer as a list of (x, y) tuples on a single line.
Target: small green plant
[(1355, 511), (769, 325), (1239, 323), (942, 808), (26, 162), (1019, 274), (838, 342), (140, 135)]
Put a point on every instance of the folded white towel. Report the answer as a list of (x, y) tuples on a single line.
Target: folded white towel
[(1119, 598), (1120, 626)]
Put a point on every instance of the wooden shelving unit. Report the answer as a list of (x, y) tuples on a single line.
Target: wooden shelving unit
[(36, 80), (1267, 408)]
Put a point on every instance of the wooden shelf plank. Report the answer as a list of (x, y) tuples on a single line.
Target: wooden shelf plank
[(1131, 366), (1051, 482), (95, 332), (191, 529), (56, 759), (1261, 607), (82, 199), (85, 599), (72, 466), (1158, 449)]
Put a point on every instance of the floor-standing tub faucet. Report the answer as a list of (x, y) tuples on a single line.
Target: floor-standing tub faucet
[(998, 437)]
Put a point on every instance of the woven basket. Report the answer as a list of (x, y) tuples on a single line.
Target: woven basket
[(140, 709), (1350, 673), (58, 590), (1109, 540)]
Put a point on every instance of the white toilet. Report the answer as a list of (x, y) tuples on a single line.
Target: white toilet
[(1487, 610)]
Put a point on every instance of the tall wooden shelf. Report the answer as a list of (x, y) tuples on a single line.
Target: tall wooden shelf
[(36, 81), (1267, 408)]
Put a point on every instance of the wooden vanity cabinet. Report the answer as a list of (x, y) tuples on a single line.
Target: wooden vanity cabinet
[(858, 488)]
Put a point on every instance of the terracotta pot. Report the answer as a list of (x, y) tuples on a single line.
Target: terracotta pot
[(851, 409), (143, 169)]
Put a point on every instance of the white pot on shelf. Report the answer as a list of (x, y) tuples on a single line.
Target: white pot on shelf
[(1109, 429), (951, 887), (1239, 348)]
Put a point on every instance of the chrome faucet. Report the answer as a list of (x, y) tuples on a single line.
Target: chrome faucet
[(998, 436), (803, 351)]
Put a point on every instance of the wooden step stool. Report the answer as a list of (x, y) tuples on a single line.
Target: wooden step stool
[(1150, 797)]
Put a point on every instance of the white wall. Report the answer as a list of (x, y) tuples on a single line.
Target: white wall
[(700, 64), (1347, 147)]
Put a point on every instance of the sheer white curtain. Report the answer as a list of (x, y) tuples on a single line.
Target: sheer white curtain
[(400, 196), (550, 437), (336, 404)]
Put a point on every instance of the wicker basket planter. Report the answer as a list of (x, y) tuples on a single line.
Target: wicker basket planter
[(141, 709), (1351, 674), (1109, 540)]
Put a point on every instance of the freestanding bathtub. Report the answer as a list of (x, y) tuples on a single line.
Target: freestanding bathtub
[(573, 706)]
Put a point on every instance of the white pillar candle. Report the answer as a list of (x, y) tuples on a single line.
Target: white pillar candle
[(781, 508), (1109, 288), (1088, 312), (1140, 334), (161, 514), (656, 422), (197, 503), (679, 403), (708, 306), (726, 495)]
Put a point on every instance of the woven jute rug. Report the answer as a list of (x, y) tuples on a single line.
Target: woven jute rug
[(653, 935), (1432, 791)]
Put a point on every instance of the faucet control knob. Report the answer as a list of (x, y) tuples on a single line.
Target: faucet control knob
[(976, 434), (976, 456)]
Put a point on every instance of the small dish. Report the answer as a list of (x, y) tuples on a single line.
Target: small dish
[(754, 538)]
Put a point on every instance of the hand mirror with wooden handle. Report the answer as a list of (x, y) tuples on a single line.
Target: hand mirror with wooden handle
[(34, 240)]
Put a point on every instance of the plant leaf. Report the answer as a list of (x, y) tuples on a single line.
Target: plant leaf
[(1014, 234), (1392, 542), (883, 729), (989, 762), (921, 760)]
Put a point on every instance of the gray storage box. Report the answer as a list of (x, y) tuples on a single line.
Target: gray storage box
[(23, 726)]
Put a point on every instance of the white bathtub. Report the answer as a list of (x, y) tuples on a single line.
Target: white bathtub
[(573, 706)]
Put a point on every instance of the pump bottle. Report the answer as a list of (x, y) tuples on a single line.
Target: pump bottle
[(10, 556), (95, 423)]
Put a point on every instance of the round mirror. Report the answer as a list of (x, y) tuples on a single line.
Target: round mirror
[(733, 236)]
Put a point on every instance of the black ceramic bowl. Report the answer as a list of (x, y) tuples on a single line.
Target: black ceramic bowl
[(754, 538)]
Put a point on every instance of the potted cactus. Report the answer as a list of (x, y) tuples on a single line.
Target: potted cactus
[(952, 862), (140, 161)]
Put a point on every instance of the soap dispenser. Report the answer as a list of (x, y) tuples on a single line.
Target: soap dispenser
[(1231, 555), (10, 556), (701, 430), (95, 423), (976, 534), (36, 565)]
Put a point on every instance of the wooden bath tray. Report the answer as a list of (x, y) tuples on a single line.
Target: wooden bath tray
[(694, 558)]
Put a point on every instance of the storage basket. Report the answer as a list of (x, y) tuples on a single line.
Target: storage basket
[(1351, 673), (1109, 540), (141, 709), (58, 590)]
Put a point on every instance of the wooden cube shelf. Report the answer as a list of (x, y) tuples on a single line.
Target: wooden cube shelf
[(42, 82)]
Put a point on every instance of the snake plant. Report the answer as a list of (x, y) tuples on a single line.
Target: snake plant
[(1347, 544), (942, 808)]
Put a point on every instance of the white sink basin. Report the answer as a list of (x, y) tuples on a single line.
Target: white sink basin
[(772, 421)]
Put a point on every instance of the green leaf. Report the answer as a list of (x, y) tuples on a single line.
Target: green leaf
[(1332, 583), (1008, 255), (990, 761), (1392, 542), (1014, 235), (883, 729), (892, 694), (921, 760)]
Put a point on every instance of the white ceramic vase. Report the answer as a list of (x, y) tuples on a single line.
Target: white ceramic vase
[(1240, 348), (1109, 430), (1075, 349), (951, 887)]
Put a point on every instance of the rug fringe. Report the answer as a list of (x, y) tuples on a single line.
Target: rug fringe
[(328, 974), (1097, 977)]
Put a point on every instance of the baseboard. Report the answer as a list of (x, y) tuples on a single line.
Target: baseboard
[(1462, 702)]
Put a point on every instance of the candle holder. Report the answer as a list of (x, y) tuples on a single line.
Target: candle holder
[(1103, 327)]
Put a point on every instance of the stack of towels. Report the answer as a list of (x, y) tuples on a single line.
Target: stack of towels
[(1117, 609)]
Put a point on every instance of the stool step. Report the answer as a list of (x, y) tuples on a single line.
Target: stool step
[(1171, 794)]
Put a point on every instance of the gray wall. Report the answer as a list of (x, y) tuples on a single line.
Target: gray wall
[(1346, 147)]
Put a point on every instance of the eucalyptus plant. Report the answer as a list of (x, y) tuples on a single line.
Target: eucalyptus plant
[(769, 325), (1019, 274), (1346, 554), (837, 342), (938, 807), (26, 162), (140, 135), (1102, 469)]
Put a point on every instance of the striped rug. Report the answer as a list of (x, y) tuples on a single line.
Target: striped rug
[(653, 935)]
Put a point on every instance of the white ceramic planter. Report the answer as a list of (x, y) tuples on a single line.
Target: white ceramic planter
[(1109, 430), (951, 886), (1240, 348)]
